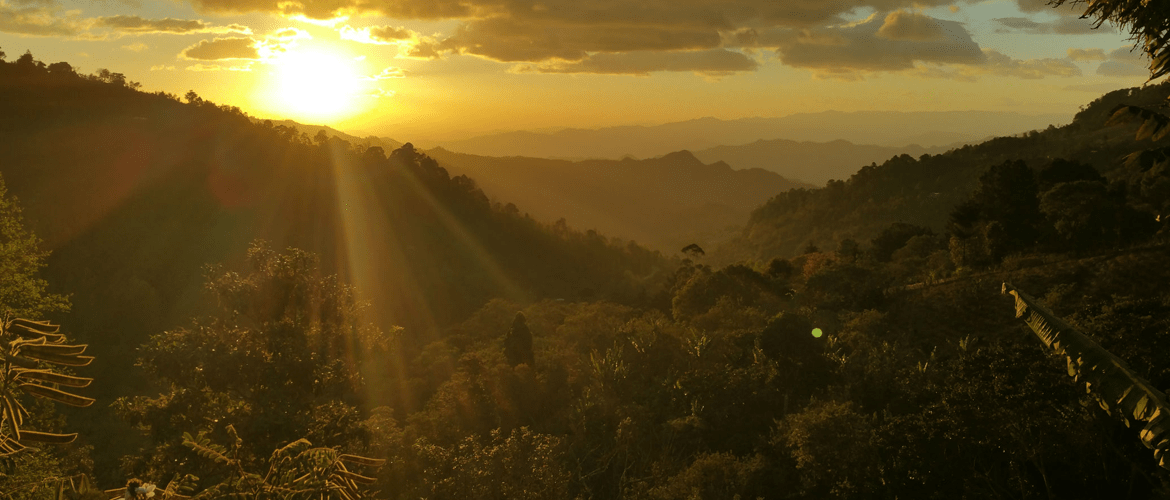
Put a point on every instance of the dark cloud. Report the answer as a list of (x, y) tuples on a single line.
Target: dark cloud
[(717, 62), (513, 41), (911, 26), (136, 24), (223, 48), (1062, 26), (839, 52)]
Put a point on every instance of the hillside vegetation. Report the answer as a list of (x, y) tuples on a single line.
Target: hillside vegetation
[(923, 191), (424, 342)]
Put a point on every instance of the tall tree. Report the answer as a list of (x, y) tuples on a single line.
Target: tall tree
[(279, 361), (518, 343)]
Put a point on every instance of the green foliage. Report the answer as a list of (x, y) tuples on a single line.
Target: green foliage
[(23, 294), (295, 471), (281, 359), (519, 465), (1107, 378)]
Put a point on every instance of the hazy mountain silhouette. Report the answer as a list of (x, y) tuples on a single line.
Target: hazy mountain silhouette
[(666, 202), (813, 162), (923, 191), (862, 127), (385, 143)]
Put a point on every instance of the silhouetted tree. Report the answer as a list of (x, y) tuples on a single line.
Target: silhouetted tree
[(1061, 170), (518, 343), (693, 250), (893, 238)]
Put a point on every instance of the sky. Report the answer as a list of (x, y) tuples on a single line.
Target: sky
[(430, 70)]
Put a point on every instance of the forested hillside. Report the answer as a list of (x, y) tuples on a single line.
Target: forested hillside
[(423, 342), (665, 203), (923, 191), (135, 194)]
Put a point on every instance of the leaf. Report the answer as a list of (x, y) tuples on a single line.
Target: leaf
[(19, 361), (205, 448), (54, 377), (354, 459), (56, 395), (39, 327), (58, 349), (357, 478), (47, 437), (1117, 387), (57, 358)]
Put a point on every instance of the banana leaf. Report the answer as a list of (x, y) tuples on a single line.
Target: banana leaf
[(1118, 389)]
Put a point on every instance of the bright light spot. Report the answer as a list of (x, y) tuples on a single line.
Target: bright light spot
[(817, 332), (314, 84)]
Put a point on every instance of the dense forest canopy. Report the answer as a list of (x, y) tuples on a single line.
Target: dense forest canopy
[(282, 316)]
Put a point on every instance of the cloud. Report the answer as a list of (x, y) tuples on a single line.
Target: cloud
[(223, 48), (1062, 26), (841, 52), (716, 62), (1003, 65), (162, 67), (903, 25), (139, 25), (48, 20), (380, 35), (389, 73), (999, 64), (379, 93), (1124, 62), (509, 40), (1122, 68), (215, 67), (1086, 54), (136, 47), (1127, 54), (288, 34)]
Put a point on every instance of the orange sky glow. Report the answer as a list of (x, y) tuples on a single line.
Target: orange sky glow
[(437, 70)]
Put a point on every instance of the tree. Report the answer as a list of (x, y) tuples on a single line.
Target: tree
[(22, 293), (518, 343), (279, 361), (893, 238)]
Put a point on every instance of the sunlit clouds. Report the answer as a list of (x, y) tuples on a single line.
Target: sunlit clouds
[(465, 65)]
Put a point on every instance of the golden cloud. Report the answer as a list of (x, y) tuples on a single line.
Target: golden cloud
[(139, 25), (223, 48), (41, 21), (718, 62)]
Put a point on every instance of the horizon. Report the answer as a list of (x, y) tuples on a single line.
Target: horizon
[(450, 72)]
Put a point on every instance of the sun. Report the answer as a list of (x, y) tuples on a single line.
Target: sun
[(314, 84)]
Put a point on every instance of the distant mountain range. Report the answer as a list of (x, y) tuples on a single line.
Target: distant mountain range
[(385, 143), (886, 128), (665, 203), (812, 162)]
